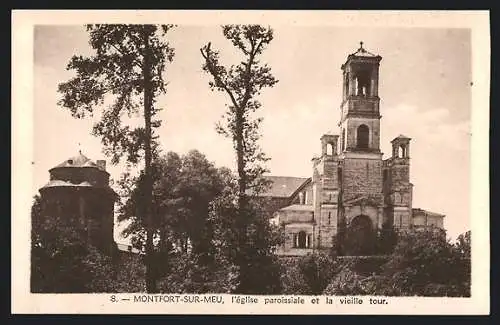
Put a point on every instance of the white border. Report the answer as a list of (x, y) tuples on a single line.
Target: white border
[(22, 156)]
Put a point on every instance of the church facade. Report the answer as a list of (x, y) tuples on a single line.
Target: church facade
[(352, 187)]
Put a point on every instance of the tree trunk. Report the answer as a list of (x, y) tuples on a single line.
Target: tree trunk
[(148, 190), (242, 258)]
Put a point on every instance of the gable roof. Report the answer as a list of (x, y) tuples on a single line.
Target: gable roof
[(283, 186)]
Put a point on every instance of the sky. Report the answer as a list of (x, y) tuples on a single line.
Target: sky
[(425, 81)]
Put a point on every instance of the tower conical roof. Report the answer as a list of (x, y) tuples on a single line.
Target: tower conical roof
[(77, 161)]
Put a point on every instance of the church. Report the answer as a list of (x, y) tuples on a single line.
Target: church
[(352, 188)]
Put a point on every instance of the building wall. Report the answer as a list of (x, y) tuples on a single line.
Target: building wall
[(293, 229), (290, 216), (361, 176), (351, 126)]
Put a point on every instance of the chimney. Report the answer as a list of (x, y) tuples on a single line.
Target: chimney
[(101, 164)]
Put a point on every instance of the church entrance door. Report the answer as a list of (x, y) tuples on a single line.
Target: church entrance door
[(360, 237)]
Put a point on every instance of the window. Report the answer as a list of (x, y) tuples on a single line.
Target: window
[(301, 240), (347, 84), (401, 151), (301, 198), (363, 83), (363, 134), (343, 139), (329, 149)]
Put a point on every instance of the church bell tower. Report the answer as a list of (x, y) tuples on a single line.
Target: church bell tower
[(360, 114), (361, 205)]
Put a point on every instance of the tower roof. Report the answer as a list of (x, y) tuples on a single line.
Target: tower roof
[(78, 161), (362, 55), (400, 137), (363, 52)]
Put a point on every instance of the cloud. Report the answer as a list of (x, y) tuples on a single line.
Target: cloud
[(433, 127)]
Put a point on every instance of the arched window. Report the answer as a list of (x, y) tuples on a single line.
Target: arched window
[(363, 135), (329, 149), (301, 239)]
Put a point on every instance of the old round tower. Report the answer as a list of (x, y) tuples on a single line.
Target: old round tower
[(79, 194)]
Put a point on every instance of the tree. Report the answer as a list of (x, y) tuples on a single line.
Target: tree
[(242, 83), (317, 270), (62, 260), (183, 189), (128, 66), (426, 263)]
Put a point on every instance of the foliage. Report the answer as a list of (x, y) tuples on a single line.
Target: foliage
[(386, 240), (62, 261), (116, 72), (317, 269), (127, 68), (130, 273), (425, 262), (251, 249), (292, 280), (189, 274), (183, 190), (261, 271), (348, 282)]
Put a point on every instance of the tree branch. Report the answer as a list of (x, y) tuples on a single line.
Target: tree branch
[(138, 63), (218, 79)]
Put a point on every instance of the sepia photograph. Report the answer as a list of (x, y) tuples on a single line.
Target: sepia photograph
[(251, 160)]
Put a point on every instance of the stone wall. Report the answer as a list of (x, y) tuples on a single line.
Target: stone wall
[(362, 176)]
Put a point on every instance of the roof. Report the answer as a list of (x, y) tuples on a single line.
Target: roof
[(78, 161), (401, 137), (429, 213), (363, 52), (284, 186), (298, 207), (59, 183)]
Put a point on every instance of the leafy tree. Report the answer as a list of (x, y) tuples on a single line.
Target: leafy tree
[(317, 269), (242, 83), (426, 263), (183, 190), (463, 245), (62, 261), (127, 69)]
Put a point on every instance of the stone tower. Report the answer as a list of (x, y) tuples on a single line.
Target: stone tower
[(78, 193), (325, 192), (398, 190), (362, 201)]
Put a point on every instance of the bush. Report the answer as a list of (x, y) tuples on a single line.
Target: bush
[(188, 275), (425, 263)]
